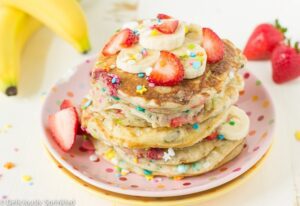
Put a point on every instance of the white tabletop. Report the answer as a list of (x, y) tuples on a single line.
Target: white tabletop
[(47, 57)]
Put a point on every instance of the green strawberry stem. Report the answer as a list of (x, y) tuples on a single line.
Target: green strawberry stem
[(279, 27), (289, 42), (296, 46)]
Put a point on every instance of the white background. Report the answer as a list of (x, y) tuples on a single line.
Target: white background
[(47, 57)]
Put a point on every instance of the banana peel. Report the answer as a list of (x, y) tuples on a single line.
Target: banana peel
[(16, 28), (18, 22)]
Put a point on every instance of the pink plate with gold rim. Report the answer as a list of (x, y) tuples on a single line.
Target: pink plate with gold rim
[(255, 100)]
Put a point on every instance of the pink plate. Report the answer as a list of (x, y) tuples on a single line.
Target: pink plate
[(255, 100)]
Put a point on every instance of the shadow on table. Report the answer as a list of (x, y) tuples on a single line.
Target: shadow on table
[(33, 63)]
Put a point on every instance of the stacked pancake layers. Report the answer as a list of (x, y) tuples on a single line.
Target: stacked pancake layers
[(181, 130)]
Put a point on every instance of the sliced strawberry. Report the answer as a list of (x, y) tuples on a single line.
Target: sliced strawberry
[(213, 136), (155, 153), (285, 64), (81, 131), (123, 39), (66, 104), (63, 126), (263, 40), (178, 121), (168, 71), (163, 16), (213, 46), (167, 27), (87, 145)]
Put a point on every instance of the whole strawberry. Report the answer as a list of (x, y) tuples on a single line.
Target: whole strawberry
[(285, 63), (263, 41)]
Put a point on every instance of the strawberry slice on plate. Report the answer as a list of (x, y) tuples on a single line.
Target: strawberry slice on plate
[(87, 145), (213, 46), (123, 39), (168, 71), (167, 27), (66, 103), (163, 16), (63, 126), (285, 63), (263, 40)]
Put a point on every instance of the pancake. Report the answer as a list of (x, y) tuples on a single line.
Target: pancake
[(188, 93), (182, 155), (187, 128), (223, 152), (128, 115), (147, 137)]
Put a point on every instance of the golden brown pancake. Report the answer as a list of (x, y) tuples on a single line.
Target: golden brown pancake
[(218, 156), (182, 120), (126, 114), (148, 137), (212, 80)]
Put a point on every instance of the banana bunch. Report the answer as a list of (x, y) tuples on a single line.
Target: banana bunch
[(19, 19)]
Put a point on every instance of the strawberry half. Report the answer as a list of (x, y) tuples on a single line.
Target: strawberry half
[(285, 64), (168, 71), (66, 104), (263, 40), (87, 145), (63, 126), (167, 27), (213, 46), (163, 16), (123, 39)]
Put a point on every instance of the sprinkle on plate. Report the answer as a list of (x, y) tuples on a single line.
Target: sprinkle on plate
[(9, 165)]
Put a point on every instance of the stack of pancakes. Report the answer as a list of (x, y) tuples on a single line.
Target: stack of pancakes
[(174, 131)]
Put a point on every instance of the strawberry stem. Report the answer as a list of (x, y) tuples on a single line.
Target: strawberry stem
[(296, 46), (279, 27), (289, 42)]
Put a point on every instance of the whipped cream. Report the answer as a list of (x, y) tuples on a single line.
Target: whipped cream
[(185, 43)]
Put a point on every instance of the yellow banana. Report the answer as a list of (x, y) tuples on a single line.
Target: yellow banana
[(16, 27), (64, 17)]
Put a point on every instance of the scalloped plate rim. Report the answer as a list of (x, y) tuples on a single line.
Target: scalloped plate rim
[(132, 192)]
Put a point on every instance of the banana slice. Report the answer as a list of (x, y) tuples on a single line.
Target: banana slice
[(194, 34), (193, 57), (237, 127), (136, 59), (160, 41)]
